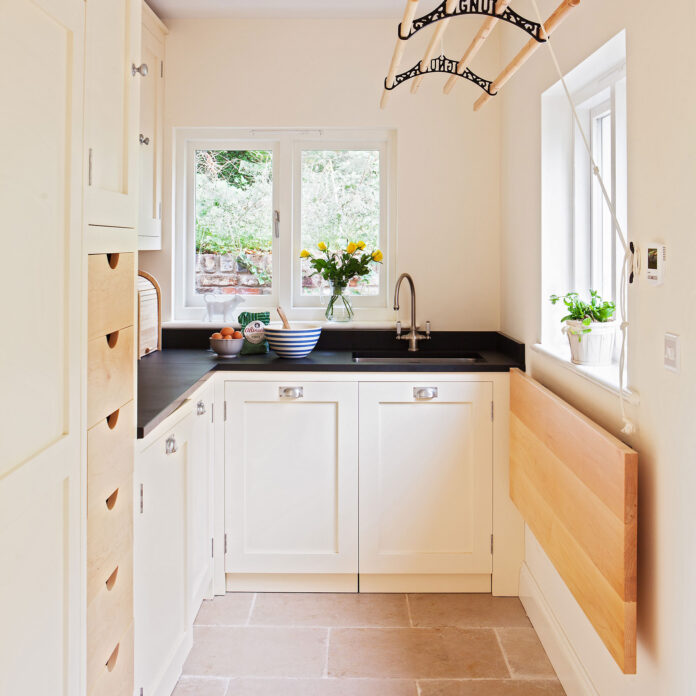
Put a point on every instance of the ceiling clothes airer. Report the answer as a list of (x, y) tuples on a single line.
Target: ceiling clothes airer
[(496, 11)]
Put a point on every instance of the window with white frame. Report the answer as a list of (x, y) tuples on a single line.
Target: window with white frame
[(249, 201), (581, 250)]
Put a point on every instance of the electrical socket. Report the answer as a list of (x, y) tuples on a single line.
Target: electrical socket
[(671, 352)]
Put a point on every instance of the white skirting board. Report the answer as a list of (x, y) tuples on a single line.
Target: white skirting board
[(563, 658), (582, 662)]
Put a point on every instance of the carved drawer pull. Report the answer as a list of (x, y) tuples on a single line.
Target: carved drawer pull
[(111, 580), (113, 658), (111, 500)]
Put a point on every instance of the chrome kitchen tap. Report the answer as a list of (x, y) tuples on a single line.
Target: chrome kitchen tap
[(412, 336)]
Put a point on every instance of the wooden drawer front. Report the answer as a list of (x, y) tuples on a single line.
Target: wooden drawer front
[(118, 681), (111, 293), (109, 615), (148, 326), (110, 456), (110, 374), (109, 537)]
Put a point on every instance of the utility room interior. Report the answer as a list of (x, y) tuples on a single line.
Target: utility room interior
[(347, 349)]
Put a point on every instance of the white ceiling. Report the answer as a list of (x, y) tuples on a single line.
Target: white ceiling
[(277, 8)]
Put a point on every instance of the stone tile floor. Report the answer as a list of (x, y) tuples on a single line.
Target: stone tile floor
[(274, 644)]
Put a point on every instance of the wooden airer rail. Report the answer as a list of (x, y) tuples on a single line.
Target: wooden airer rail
[(577, 488)]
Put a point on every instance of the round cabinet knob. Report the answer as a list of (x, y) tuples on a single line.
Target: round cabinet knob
[(200, 408), (170, 445), (142, 69)]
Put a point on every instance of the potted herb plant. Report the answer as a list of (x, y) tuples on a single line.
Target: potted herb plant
[(590, 327), (338, 268)]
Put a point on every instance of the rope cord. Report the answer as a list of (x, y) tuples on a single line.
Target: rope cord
[(627, 265)]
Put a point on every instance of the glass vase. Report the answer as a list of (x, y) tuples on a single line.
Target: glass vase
[(339, 308)]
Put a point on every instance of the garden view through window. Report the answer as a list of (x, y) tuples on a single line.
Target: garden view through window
[(256, 203), (234, 222)]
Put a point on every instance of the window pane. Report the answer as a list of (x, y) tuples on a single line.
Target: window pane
[(234, 222), (608, 284), (340, 204)]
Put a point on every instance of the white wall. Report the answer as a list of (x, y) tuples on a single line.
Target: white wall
[(661, 54), (328, 73)]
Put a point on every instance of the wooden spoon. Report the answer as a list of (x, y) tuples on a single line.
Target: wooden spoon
[(281, 314)]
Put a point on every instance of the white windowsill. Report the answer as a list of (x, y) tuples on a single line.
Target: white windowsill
[(605, 377)]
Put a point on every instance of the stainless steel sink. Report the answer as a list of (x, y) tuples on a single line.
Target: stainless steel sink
[(419, 358)]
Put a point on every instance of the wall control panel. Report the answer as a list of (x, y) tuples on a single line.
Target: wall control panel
[(655, 267)]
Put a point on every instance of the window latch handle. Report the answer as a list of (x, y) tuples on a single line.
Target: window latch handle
[(276, 223)]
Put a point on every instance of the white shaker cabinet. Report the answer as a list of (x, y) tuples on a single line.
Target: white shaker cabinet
[(426, 470), (113, 70), (151, 131), (41, 607), (173, 534), (291, 480), (161, 524)]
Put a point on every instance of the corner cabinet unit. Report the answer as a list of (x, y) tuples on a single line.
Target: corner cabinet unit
[(151, 131), (173, 551), (291, 483), (376, 482), (112, 72)]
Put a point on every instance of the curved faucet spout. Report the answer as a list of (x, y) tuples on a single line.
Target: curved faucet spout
[(412, 336), (406, 276)]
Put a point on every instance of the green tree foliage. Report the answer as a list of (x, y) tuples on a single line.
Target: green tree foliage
[(234, 201)]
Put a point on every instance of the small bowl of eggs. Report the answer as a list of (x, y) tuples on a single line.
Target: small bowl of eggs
[(227, 343)]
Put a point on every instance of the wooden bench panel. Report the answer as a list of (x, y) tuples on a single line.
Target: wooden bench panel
[(576, 486)]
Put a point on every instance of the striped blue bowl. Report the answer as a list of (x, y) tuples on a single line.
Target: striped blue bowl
[(296, 342)]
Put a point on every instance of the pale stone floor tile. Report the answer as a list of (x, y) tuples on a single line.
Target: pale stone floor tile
[(201, 686), (467, 610), (322, 687), (524, 653), (329, 609), (415, 653), (227, 651), (232, 609), (492, 687)]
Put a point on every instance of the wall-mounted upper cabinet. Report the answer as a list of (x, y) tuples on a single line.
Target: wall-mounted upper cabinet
[(150, 135), (113, 72)]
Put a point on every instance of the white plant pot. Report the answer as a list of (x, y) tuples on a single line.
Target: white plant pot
[(595, 348)]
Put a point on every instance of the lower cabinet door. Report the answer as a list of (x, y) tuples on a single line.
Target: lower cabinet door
[(291, 477), (199, 502), (426, 464), (160, 559)]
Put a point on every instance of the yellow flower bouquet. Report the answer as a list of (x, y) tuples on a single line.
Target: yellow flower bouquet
[(338, 268)]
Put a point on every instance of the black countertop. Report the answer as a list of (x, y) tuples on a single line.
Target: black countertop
[(168, 377)]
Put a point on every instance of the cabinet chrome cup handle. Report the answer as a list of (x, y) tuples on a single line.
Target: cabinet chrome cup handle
[(200, 408), (142, 69), (424, 393), (170, 445), (290, 392)]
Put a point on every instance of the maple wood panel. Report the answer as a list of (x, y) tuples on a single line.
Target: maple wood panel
[(576, 486)]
